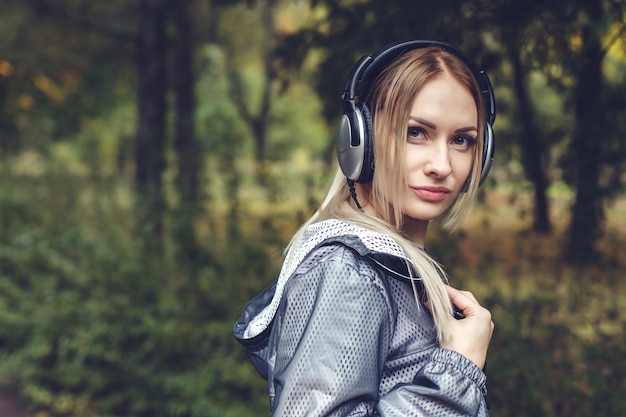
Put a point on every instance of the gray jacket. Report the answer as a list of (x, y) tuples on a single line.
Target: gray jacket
[(340, 334)]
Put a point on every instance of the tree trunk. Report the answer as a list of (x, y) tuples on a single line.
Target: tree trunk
[(260, 125), (185, 143), (258, 121), (188, 153), (531, 145), (151, 96), (587, 213)]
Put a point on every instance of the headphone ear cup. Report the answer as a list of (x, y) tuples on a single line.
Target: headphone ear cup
[(349, 142), (488, 152), (367, 170)]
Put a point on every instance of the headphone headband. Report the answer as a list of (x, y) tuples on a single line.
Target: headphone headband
[(354, 138), (368, 67)]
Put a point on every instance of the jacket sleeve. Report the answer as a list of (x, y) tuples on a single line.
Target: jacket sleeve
[(449, 385), (329, 343)]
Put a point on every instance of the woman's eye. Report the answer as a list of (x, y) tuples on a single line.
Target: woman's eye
[(415, 133), (463, 142)]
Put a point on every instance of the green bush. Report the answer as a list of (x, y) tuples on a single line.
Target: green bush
[(91, 324)]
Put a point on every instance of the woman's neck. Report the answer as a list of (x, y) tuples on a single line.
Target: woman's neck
[(415, 230), (412, 229)]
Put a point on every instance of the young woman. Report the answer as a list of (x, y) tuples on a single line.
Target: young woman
[(361, 321)]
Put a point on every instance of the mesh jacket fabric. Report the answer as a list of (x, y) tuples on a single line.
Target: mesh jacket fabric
[(347, 338), (315, 235)]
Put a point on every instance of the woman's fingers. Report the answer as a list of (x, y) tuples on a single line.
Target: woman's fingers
[(465, 302), (472, 333), (462, 300)]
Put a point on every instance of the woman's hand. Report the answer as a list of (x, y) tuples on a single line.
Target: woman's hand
[(470, 335)]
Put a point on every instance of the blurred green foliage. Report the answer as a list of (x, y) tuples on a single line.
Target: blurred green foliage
[(558, 344), (92, 325), (96, 322)]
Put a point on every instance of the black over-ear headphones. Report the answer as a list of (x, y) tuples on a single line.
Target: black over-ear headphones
[(355, 148)]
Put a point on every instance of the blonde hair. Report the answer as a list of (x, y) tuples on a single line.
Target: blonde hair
[(390, 99)]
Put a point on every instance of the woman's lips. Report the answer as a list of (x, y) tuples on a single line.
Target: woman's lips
[(433, 194)]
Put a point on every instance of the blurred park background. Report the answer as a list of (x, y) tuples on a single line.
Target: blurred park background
[(156, 156)]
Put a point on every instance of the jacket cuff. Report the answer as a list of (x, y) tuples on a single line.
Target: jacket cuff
[(463, 365)]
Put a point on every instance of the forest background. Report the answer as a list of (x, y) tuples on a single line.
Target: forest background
[(157, 155)]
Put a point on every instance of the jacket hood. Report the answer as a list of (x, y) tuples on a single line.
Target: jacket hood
[(254, 325)]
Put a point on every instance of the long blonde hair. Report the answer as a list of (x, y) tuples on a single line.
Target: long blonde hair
[(390, 99)]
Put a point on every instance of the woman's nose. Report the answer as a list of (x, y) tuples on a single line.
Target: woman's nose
[(439, 161)]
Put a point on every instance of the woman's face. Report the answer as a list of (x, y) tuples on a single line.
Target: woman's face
[(440, 139)]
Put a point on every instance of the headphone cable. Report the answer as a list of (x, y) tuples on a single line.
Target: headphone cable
[(353, 193)]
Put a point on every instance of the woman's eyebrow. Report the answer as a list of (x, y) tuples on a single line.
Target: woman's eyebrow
[(424, 122), (466, 129), (433, 126)]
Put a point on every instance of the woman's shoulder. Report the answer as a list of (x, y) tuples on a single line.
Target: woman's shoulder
[(341, 256), (335, 274)]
